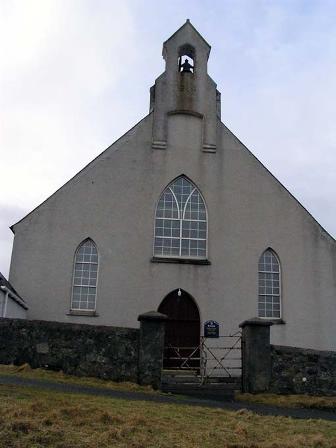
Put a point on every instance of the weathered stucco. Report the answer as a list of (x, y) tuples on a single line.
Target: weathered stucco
[(113, 202)]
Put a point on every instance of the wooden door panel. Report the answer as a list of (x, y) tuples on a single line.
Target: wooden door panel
[(182, 330)]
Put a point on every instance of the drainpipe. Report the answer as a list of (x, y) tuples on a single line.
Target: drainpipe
[(4, 304)]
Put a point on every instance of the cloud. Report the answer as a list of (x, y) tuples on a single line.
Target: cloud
[(75, 75), (61, 73), (278, 71)]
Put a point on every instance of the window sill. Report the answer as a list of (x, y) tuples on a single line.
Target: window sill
[(180, 260), (274, 321), (82, 313), (277, 321)]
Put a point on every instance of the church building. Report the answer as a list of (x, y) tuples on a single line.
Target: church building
[(178, 216)]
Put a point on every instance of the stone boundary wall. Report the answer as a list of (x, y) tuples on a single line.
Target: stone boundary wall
[(113, 353), (283, 369), (299, 371)]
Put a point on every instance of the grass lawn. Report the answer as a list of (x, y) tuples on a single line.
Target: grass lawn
[(38, 418), (291, 401), (25, 371)]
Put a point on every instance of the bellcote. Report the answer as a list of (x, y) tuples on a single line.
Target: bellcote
[(186, 42), (185, 87)]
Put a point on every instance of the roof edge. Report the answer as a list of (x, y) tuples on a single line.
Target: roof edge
[(280, 183), (187, 22), (12, 227)]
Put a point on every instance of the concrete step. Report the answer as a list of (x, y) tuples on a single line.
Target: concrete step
[(209, 392), (190, 383), (196, 379), (192, 386), (180, 380)]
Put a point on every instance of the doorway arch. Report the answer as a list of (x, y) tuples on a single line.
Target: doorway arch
[(183, 330)]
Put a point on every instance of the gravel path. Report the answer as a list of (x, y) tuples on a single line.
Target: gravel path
[(167, 398)]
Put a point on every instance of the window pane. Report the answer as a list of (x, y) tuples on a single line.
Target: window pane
[(185, 244), (202, 244)]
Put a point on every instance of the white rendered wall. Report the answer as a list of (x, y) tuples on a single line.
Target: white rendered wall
[(113, 202)]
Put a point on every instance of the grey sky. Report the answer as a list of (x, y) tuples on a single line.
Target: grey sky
[(75, 75)]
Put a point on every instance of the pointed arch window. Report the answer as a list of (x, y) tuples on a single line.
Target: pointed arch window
[(84, 288), (269, 297), (181, 222)]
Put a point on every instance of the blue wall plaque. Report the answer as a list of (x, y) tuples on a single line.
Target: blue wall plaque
[(211, 329)]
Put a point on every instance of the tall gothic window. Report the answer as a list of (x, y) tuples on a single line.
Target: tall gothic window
[(181, 222), (269, 299), (85, 277)]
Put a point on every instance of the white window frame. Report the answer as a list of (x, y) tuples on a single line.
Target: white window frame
[(280, 286), (84, 310), (179, 256)]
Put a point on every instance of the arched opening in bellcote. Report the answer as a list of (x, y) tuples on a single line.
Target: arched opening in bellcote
[(186, 59)]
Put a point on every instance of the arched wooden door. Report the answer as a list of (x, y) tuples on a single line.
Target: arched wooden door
[(182, 335)]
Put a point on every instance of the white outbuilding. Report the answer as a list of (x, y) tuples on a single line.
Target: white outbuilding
[(11, 304)]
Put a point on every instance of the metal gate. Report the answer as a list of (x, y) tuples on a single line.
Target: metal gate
[(214, 359)]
